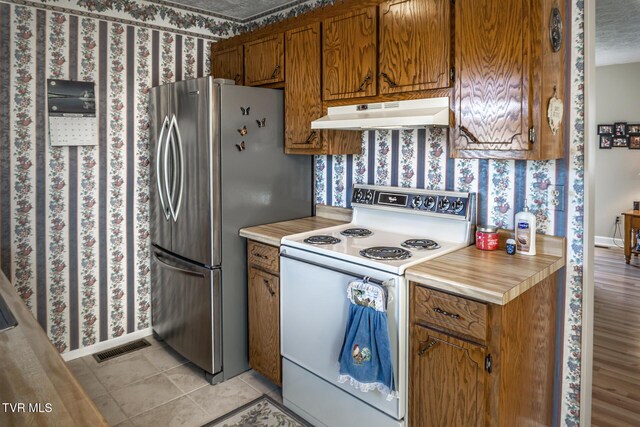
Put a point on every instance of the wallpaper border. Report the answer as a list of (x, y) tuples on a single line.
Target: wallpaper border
[(207, 28), (572, 345), (166, 16)]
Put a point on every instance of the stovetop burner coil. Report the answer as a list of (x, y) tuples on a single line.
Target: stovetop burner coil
[(322, 240), (385, 253), (356, 232), (427, 244)]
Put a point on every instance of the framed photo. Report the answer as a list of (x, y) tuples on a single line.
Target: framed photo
[(605, 129), (634, 142), (606, 141), (633, 129), (620, 141), (620, 129)]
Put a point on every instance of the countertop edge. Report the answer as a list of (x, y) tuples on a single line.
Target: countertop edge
[(485, 295), (460, 289), (57, 383), (272, 233), (261, 238)]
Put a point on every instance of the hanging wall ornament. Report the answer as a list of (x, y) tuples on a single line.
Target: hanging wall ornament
[(555, 29), (554, 113)]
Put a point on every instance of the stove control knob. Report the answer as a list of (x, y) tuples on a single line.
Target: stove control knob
[(369, 198), (458, 206), (445, 204), (429, 202), (416, 202), (358, 196)]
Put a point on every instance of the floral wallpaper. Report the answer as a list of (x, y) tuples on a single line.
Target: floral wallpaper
[(420, 158), (163, 15), (74, 228), (572, 351)]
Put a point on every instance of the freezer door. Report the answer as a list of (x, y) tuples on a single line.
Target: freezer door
[(186, 309), (160, 216), (194, 181)]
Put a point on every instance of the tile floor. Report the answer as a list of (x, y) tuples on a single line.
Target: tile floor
[(157, 387)]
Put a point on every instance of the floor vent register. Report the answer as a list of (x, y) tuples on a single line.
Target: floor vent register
[(120, 350)]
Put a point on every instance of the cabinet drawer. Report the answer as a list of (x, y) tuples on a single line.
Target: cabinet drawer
[(265, 256), (450, 312)]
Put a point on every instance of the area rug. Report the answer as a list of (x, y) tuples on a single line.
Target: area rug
[(262, 412)]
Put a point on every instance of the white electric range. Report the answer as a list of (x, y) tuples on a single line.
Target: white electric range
[(391, 229)]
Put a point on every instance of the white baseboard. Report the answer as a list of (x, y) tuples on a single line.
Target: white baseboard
[(608, 242), (104, 345)]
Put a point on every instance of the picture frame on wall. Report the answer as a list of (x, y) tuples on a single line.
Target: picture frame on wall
[(620, 129), (634, 142), (606, 141), (633, 129), (620, 141), (605, 130)]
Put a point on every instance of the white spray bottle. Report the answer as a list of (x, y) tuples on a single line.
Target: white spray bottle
[(525, 223)]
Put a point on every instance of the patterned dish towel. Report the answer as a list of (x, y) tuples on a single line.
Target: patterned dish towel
[(365, 358)]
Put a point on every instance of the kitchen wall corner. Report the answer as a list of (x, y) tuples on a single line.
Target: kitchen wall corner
[(74, 226)]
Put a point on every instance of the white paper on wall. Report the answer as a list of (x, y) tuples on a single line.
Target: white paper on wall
[(70, 130), (72, 113)]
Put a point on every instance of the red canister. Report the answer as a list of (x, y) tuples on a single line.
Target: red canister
[(487, 238)]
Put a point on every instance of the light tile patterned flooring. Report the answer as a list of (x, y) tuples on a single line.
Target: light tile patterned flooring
[(157, 387)]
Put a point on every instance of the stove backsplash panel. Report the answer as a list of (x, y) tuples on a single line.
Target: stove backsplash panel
[(420, 159)]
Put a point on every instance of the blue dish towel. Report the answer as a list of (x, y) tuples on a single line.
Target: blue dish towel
[(365, 358)]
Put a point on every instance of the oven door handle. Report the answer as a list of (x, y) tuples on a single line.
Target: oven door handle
[(389, 283)]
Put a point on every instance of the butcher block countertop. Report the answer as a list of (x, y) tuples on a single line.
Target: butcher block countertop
[(32, 372), (272, 234), (491, 276)]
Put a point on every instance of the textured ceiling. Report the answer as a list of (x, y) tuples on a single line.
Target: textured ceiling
[(617, 31), (238, 9)]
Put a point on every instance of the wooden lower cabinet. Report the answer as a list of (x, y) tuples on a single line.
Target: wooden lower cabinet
[(446, 385), (501, 375), (264, 317)]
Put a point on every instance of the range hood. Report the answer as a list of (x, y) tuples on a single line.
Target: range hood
[(415, 113)]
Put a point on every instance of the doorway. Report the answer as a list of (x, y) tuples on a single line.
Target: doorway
[(615, 398)]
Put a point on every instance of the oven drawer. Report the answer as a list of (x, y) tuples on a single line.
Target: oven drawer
[(265, 256), (456, 314)]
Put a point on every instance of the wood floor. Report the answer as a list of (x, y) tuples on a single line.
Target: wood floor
[(616, 353)]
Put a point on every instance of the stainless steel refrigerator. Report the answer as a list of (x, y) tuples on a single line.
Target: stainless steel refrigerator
[(217, 165)]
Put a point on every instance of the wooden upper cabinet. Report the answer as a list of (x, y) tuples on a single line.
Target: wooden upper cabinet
[(415, 45), (446, 381), (349, 55), (492, 88), (302, 97), (264, 60), (227, 64), (506, 70)]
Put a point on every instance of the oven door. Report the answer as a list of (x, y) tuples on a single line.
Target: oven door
[(314, 310)]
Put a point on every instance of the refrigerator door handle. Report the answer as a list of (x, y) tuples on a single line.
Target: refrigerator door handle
[(165, 212), (169, 144), (174, 122), (178, 269)]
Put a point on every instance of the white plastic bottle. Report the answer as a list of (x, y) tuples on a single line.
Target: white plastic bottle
[(525, 232)]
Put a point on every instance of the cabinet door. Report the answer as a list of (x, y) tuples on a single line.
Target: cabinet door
[(493, 56), (264, 324), (415, 45), (446, 381), (302, 97), (227, 64), (264, 60), (349, 55)]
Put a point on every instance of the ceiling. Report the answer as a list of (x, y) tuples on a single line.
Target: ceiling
[(238, 9), (617, 32)]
